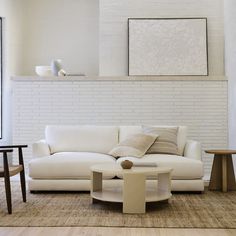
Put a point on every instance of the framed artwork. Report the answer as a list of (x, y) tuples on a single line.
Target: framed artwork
[(1, 72), (167, 46)]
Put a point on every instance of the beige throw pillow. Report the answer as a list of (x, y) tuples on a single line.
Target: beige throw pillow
[(135, 145), (166, 143)]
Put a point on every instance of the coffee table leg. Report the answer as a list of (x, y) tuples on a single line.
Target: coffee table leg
[(134, 191), (96, 181), (164, 184), (224, 173)]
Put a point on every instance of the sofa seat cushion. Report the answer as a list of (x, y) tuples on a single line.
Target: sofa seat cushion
[(183, 167), (70, 165)]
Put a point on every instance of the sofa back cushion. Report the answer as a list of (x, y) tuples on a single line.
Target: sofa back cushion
[(86, 138), (126, 131)]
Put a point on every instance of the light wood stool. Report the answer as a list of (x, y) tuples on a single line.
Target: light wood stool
[(222, 173)]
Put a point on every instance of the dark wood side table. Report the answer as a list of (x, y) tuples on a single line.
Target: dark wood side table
[(222, 173)]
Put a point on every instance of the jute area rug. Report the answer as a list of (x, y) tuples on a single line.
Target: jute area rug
[(208, 210)]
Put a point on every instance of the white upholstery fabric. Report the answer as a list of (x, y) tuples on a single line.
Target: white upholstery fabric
[(85, 184), (77, 148), (126, 131), (100, 139), (193, 150), (40, 149), (65, 165), (182, 138), (183, 167)]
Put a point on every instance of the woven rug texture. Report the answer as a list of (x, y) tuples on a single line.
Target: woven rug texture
[(207, 210)]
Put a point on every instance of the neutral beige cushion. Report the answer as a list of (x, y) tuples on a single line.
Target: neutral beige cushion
[(135, 145), (125, 131), (166, 142)]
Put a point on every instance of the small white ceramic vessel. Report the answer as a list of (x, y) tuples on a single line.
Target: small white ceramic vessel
[(43, 70)]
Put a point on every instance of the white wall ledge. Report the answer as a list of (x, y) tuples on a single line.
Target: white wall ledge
[(119, 78)]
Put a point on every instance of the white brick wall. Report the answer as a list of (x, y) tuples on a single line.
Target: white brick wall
[(201, 105)]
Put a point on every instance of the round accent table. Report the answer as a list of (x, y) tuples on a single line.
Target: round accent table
[(222, 173), (133, 193)]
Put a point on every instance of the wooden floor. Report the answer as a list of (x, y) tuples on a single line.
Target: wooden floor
[(98, 231)]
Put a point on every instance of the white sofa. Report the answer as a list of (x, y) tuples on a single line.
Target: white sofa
[(62, 161)]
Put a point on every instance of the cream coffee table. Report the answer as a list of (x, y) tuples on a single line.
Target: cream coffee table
[(133, 193)]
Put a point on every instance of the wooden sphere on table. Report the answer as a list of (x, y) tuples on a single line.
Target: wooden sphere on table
[(126, 164)]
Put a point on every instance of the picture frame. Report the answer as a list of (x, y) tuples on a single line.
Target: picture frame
[(167, 47)]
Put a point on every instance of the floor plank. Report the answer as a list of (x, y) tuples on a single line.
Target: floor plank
[(101, 231)]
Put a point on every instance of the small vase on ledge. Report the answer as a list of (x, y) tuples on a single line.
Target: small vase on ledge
[(56, 66)]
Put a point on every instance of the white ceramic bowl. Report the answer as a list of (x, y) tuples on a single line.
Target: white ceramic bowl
[(43, 70)]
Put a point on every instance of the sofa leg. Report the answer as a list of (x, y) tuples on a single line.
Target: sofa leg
[(166, 201), (198, 192), (33, 191)]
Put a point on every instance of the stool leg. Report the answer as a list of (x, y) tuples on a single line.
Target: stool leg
[(7, 183), (22, 175), (231, 183), (224, 173), (8, 194), (216, 174), (22, 182)]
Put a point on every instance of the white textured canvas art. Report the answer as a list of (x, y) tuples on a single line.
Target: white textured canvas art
[(1, 69), (168, 46)]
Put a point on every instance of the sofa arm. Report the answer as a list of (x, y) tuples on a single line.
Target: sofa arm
[(40, 149), (193, 150)]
